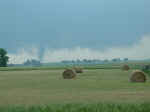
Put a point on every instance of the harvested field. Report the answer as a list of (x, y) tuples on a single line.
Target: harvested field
[(38, 87)]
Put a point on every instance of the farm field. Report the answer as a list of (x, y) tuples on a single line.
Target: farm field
[(43, 87), (95, 90)]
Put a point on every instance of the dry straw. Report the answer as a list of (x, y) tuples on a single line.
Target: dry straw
[(138, 76), (78, 69), (125, 67), (69, 74)]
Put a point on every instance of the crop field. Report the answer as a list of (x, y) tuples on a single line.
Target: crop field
[(97, 88)]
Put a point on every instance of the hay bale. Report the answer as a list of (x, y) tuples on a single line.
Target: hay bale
[(69, 74), (138, 76), (78, 69), (125, 67)]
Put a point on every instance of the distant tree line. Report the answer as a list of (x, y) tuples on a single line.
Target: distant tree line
[(94, 61), (32, 62)]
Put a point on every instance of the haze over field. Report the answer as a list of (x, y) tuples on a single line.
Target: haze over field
[(56, 30), (139, 50)]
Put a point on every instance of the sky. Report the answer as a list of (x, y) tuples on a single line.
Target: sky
[(44, 29)]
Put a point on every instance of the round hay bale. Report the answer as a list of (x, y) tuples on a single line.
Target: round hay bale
[(69, 74), (78, 70), (125, 67), (138, 76)]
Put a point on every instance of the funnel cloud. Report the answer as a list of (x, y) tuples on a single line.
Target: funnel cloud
[(136, 51)]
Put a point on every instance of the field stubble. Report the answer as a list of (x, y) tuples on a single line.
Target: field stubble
[(48, 87)]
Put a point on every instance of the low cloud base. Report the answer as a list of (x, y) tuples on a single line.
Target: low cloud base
[(139, 50)]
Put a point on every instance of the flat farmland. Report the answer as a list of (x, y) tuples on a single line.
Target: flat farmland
[(42, 87)]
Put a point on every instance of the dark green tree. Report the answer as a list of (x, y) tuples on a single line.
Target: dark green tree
[(3, 57)]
